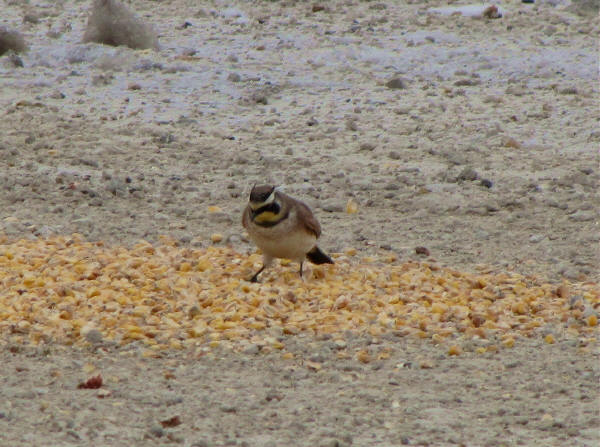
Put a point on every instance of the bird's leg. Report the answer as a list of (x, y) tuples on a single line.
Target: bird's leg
[(255, 277), (267, 260), (302, 277)]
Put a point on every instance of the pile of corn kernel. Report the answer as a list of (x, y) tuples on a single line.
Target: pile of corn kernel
[(69, 291)]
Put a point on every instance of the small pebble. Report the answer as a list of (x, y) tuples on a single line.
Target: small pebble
[(15, 60), (252, 349), (467, 82), (511, 142), (535, 238), (424, 251), (396, 84), (491, 12), (57, 95), (568, 91), (426, 364), (73, 434), (31, 18), (332, 206), (546, 421), (351, 125), (157, 431), (94, 336), (468, 174), (583, 216)]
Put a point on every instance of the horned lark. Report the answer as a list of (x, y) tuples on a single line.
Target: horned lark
[(282, 227)]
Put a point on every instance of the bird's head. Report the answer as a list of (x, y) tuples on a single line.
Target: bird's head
[(262, 195)]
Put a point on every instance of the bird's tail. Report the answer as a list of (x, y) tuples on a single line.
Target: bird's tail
[(317, 256)]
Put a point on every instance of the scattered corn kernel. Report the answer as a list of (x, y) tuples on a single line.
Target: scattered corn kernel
[(363, 356), (170, 297), (351, 206), (549, 339), (216, 237), (454, 350), (509, 342)]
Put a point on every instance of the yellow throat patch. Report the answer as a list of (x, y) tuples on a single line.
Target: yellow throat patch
[(268, 217)]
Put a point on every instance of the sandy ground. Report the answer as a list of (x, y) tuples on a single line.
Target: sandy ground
[(485, 154)]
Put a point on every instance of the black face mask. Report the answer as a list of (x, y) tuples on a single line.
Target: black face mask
[(272, 207)]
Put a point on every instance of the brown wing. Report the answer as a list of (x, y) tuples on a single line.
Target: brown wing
[(305, 215), (246, 217)]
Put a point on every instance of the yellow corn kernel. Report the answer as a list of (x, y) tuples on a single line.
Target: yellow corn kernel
[(508, 342), (384, 355), (131, 328), (438, 308), (134, 336), (363, 356), (350, 251), (29, 281), (175, 344), (454, 350), (203, 265), (519, 308), (92, 292), (198, 331), (351, 206)]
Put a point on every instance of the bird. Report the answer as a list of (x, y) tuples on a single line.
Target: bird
[(282, 227)]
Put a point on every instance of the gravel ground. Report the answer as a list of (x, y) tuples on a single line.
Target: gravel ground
[(472, 137), (534, 395)]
